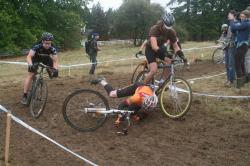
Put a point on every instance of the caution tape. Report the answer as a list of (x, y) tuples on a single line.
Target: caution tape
[(44, 136), (116, 60)]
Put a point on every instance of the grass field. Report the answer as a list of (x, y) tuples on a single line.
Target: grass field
[(114, 52)]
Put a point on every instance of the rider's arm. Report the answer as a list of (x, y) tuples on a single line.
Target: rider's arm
[(29, 56), (153, 41), (143, 45), (176, 47), (55, 61)]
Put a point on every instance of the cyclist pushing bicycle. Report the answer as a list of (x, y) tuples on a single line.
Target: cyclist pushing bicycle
[(159, 34), (142, 98), (42, 52)]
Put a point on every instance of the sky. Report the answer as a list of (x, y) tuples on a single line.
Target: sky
[(106, 4)]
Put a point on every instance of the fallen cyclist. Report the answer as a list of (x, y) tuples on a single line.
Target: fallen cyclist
[(142, 99)]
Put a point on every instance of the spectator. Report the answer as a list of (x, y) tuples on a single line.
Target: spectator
[(230, 51), (242, 29), (93, 49)]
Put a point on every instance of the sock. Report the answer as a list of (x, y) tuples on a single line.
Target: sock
[(103, 83)]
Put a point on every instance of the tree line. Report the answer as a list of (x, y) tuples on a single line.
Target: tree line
[(23, 21)]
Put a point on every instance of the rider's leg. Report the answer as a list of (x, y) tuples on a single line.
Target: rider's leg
[(27, 82), (166, 71), (123, 92), (153, 69)]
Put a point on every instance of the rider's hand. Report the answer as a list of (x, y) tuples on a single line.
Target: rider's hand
[(161, 51), (54, 72), (31, 68), (140, 52)]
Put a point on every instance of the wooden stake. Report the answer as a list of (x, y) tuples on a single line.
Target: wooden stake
[(7, 139)]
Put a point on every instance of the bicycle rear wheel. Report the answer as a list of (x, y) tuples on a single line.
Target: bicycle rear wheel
[(39, 96), (74, 110), (141, 67), (176, 98), (218, 56)]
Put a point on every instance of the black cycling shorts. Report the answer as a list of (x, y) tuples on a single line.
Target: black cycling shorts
[(151, 55), (45, 60), (129, 90)]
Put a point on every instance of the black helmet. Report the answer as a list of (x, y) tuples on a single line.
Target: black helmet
[(47, 36), (168, 19)]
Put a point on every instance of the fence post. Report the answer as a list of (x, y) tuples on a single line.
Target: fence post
[(7, 139)]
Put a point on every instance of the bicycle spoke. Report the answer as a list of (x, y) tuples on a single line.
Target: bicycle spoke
[(175, 98), (74, 110)]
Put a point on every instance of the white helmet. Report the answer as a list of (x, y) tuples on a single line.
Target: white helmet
[(224, 26), (150, 102)]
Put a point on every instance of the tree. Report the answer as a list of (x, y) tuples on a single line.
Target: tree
[(134, 19), (203, 19)]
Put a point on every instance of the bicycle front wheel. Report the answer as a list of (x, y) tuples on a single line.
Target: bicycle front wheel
[(74, 110), (141, 67), (176, 98), (39, 96), (218, 56)]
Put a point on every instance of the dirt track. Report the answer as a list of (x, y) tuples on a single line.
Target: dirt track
[(205, 137)]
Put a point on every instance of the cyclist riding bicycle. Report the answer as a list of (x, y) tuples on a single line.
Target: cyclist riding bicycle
[(41, 52), (142, 98), (158, 35)]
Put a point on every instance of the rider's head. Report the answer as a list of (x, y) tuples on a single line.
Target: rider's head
[(224, 27), (150, 102), (47, 38), (168, 20), (96, 35)]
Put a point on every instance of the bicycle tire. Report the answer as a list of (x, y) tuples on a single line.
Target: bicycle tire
[(140, 67), (80, 120), (218, 56), (169, 99), (39, 95)]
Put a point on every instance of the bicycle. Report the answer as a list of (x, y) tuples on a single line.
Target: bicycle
[(218, 56), (179, 63), (37, 96), (86, 110), (175, 93)]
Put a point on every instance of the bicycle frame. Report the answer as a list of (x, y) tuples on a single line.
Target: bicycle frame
[(37, 76), (104, 111)]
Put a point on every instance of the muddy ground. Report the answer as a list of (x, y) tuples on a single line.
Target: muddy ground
[(206, 136)]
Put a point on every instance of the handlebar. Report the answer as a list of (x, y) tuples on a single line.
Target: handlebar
[(42, 65)]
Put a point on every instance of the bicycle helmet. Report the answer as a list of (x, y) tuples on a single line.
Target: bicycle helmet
[(168, 19), (224, 26), (47, 36), (150, 102)]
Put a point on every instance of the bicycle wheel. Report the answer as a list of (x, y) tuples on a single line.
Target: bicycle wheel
[(141, 67), (218, 56), (38, 99), (75, 115), (176, 98)]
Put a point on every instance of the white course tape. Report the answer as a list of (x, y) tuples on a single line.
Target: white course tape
[(86, 64), (46, 137), (26, 64), (206, 77), (221, 96)]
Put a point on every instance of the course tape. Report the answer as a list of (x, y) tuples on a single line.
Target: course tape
[(44, 136), (213, 95), (117, 60)]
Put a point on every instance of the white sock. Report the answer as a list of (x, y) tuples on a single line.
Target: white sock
[(103, 82)]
